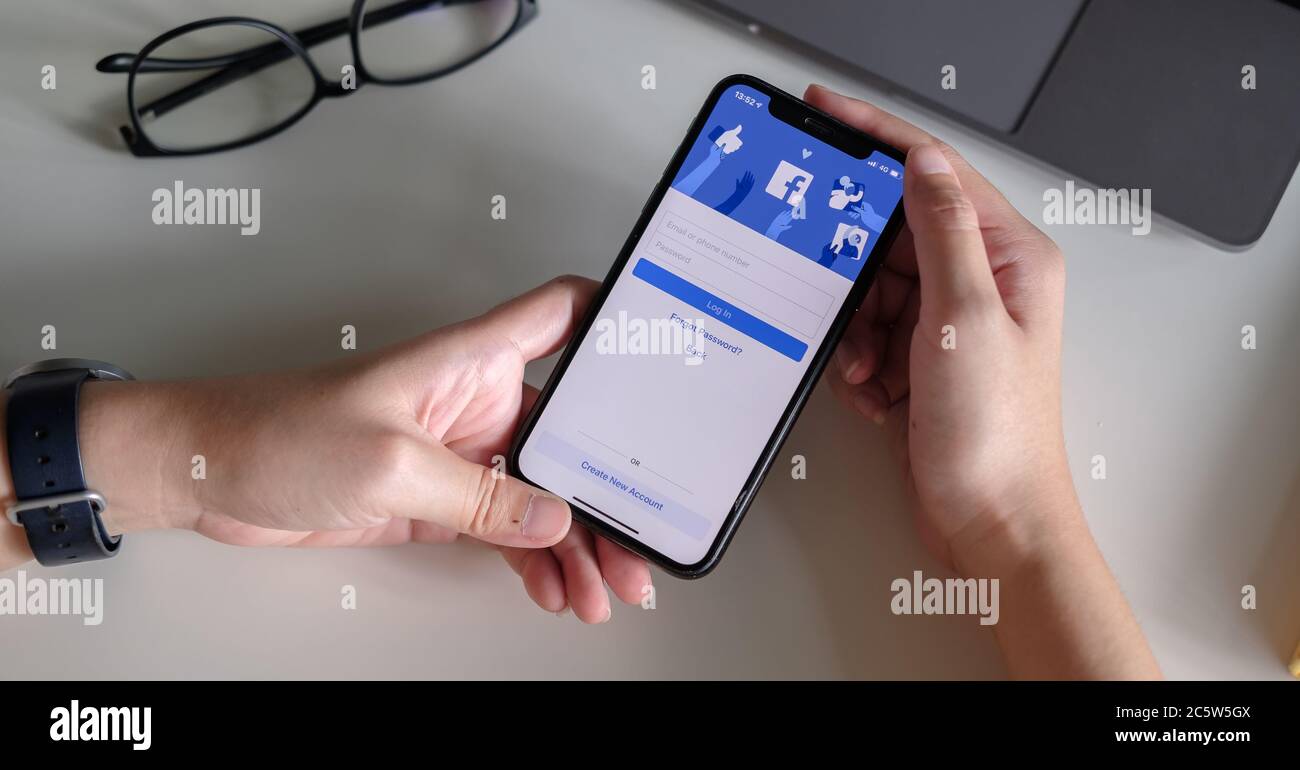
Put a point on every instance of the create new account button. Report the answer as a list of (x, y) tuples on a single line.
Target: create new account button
[(623, 486)]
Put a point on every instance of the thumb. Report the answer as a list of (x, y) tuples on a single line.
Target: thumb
[(950, 255), (482, 502)]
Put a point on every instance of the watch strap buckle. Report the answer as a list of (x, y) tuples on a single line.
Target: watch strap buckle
[(51, 502)]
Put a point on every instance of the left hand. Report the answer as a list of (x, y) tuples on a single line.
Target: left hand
[(377, 449)]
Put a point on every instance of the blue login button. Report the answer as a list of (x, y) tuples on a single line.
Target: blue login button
[(725, 312)]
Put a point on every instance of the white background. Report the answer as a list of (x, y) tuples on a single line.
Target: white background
[(376, 213)]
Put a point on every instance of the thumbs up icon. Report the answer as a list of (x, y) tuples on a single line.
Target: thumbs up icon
[(729, 141)]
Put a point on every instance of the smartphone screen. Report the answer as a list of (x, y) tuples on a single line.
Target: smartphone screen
[(661, 418)]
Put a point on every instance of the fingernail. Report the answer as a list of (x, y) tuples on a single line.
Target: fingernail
[(545, 518), (846, 357), (928, 159), (867, 407), (609, 613), (562, 613)]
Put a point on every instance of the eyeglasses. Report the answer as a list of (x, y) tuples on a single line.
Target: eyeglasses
[(257, 79)]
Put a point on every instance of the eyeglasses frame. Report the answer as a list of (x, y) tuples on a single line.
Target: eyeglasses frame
[(298, 43)]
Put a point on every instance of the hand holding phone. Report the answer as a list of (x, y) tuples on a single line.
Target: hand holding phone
[(711, 329), (957, 351)]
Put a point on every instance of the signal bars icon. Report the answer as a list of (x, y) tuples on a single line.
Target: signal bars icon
[(895, 173)]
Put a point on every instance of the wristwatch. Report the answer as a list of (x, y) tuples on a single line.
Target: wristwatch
[(61, 516)]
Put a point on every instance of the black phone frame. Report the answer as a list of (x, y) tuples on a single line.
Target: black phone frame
[(796, 112)]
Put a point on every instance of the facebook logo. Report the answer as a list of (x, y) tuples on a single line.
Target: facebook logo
[(789, 183)]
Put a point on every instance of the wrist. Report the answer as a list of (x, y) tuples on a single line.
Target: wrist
[(1042, 526), (1061, 614), (126, 432), (13, 540), (132, 437)]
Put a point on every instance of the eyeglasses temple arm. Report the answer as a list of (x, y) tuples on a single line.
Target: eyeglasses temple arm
[(320, 33), (249, 61)]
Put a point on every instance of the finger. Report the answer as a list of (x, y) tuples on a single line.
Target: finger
[(392, 532), (627, 574), (950, 256), (862, 352), (901, 259), (997, 211), (469, 442), (436, 485), (583, 584), (539, 322), (1030, 275), (856, 355), (428, 532), (541, 576), (867, 118), (1028, 266), (895, 291), (894, 372), (871, 394), (867, 399)]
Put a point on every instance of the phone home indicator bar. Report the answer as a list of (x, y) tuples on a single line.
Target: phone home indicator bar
[(610, 479)]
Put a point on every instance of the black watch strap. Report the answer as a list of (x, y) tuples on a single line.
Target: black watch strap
[(60, 515)]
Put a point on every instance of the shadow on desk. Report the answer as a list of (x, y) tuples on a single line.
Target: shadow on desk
[(850, 525), (1278, 583)]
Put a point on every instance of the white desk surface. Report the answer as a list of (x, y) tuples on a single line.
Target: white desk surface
[(375, 212)]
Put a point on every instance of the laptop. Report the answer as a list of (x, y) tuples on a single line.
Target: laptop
[(1115, 93)]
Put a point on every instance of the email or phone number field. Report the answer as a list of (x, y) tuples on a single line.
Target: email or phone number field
[(752, 282)]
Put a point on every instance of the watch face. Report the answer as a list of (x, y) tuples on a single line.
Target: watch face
[(100, 370)]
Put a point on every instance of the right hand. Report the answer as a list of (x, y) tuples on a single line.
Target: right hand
[(976, 423), (380, 448)]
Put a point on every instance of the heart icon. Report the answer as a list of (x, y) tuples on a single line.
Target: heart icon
[(806, 153)]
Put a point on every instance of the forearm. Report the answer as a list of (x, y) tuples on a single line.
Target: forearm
[(692, 181), (1062, 614), (132, 438), (13, 540)]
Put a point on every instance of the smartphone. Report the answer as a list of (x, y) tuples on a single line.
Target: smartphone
[(665, 412)]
